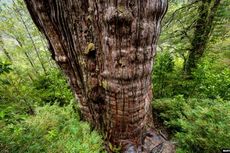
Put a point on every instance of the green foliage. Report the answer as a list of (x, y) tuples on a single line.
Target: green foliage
[(210, 80), (53, 129), (178, 28), (5, 67), (163, 67), (198, 125), (52, 88), (19, 96)]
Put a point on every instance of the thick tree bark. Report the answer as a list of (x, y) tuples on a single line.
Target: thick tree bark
[(203, 28), (106, 48)]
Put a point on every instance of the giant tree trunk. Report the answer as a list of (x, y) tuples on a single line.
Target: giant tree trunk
[(106, 49)]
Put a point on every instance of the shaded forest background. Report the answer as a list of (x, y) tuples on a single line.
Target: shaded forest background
[(38, 112)]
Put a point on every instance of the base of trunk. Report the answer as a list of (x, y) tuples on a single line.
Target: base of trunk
[(152, 142)]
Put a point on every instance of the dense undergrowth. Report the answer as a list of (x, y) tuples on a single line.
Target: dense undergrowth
[(196, 125), (42, 116), (195, 111), (52, 129), (211, 79)]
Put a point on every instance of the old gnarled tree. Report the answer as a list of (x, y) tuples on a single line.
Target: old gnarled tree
[(106, 49)]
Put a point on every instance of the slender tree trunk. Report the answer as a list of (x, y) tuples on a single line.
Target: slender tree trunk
[(27, 56), (4, 50), (106, 49), (7, 54), (203, 28), (30, 37)]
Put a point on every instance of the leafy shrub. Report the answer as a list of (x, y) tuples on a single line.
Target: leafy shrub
[(162, 77), (210, 79), (5, 67), (52, 88), (54, 129), (198, 125)]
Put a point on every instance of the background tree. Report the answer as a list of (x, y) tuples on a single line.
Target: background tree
[(203, 27), (190, 28)]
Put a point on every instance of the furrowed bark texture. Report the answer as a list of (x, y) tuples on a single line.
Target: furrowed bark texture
[(106, 48)]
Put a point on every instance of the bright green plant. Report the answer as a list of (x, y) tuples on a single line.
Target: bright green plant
[(162, 74), (197, 125), (52, 88), (5, 67), (53, 129), (212, 80)]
